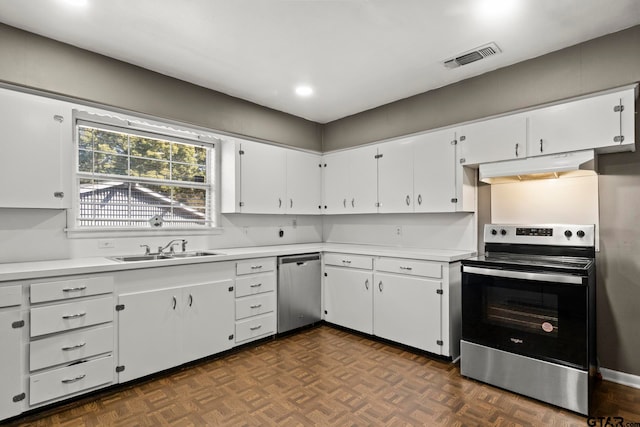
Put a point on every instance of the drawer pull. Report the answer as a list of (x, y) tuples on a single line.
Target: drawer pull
[(366, 284), (74, 347), (255, 285), (256, 306), (255, 328), (405, 268), (76, 289), (73, 380), (346, 261), (255, 267), (74, 316)]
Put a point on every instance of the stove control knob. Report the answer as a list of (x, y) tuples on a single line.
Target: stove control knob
[(494, 232), (503, 232), (580, 233), (568, 233)]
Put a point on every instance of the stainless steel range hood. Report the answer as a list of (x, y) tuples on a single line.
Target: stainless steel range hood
[(575, 163)]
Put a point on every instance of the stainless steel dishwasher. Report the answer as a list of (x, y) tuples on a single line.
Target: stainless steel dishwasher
[(299, 291)]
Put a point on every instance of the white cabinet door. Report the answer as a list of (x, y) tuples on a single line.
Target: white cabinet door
[(148, 332), (304, 183), (408, 310), (262, 178), (335, 182), (395, 176), (434, 172), (11, 357), (363, 180), (580, 125), (208, 322), (348, 298), (492, 140), (31, 169)]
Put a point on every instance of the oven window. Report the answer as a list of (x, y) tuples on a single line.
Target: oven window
[(528, 311)]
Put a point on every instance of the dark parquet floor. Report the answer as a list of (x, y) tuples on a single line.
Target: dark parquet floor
[(323, 377)]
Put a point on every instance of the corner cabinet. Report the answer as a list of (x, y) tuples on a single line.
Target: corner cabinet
[(36, 141), (265, 179)]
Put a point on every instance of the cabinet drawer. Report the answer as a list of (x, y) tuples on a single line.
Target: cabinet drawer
[(255, 305), (10, 296), (256, 284), (72, 315), (71, 288), (71, 346), (347, 260), (410, 266), (259, 265), (255, 327), (70, 379)]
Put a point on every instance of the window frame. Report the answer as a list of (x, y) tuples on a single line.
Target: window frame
[(156, 129)]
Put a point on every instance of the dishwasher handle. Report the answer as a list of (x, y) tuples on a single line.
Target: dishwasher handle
[(298, 259)]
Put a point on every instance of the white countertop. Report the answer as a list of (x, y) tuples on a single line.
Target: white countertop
[(63, 267)]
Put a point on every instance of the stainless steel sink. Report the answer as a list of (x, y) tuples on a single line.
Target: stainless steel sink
[(130, 258)]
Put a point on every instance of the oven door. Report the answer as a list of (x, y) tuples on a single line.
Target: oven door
[(539, 315)]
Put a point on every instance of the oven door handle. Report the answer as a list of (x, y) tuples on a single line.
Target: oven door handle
[(524, 275)]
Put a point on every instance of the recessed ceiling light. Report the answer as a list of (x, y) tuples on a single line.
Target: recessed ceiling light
[(304, 90)]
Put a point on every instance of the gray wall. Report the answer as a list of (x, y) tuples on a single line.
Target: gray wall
[(603, 63), (44, 64)]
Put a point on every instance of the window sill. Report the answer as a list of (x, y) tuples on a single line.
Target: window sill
[(87, 233)]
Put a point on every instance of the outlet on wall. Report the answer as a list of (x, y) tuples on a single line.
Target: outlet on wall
[(106, 243)]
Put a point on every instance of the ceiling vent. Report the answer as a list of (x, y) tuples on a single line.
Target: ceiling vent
[(473, 55)]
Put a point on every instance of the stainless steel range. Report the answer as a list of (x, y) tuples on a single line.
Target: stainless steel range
[(528, 312)]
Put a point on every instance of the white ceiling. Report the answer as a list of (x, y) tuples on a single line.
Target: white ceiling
[(356, 54)]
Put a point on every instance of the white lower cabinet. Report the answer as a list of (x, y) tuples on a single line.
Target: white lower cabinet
[(408, 310), (255, 299), (162, 328), (12, 390), (348, 297)]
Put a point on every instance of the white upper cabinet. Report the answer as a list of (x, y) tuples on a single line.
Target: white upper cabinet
[(434, 172), (601, 122), (304, 183), (265, 179), (502, 138), (34, 130), (395, 176), (350, 181)]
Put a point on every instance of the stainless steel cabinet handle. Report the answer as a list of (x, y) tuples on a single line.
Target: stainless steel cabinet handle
[(279, 202), (366, 284), (73, 347), (74, 316), (190, 300), (419, 199), (255, 285), (76, 289), (406, 268), (353, 202), (517, 149), (255, 267), (256, 306), (175, 302), (346, 261), (255, 328), (380, 286), (73, 380), (541, 145), (290, 203), (408, 200), (344, 202)]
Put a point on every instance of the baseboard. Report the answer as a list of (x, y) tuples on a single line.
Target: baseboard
[(620, 377)]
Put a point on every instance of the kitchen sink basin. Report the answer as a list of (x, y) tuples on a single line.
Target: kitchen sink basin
[(130, 258)]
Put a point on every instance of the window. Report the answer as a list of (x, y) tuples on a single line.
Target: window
[(129, 178)]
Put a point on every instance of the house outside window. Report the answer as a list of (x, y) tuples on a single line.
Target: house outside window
[(130, 177)]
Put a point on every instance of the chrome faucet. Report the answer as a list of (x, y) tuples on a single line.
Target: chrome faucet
[(171, 244)]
